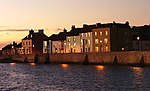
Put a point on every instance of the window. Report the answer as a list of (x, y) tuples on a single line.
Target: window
[(69, 45), (86, 41), (26, 43), (106, 48), (86, 50), (101, 33), (106, 40), (106, 32), (89, 42), (95, 33), (96, 41), (81, 41), (86, 34), (45, 43), (89, 49), (89, 34), (81, 34), (100, 41), (68, 39), (29, 42), (74, 39), (96, 49), (74, 44)]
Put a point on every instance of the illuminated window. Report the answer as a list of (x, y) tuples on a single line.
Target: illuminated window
[(68, 39), (101, 33), (95, 33), (81, 34), (96, 49), (81, 41), (100, 41), (69, 45), (86, 34), (106, 32), (74, 39), (89, 42), (106, 48), (106, 40), (74, 44), (45, 43), (96, 41), (89, 34)]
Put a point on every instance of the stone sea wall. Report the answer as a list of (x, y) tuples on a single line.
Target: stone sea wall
[(122, 58)]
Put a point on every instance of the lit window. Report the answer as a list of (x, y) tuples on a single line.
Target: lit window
[(74, 44), (86, 34), (69, 45), (95, 33), (101, 33), (89, 42), (96, 49), (82, 35), (106, 48), (106, 32), (100, 41), (106, 40), (89, 34), (96, 41), (45, 43), (68, 39), (74, 39), (81, 41)]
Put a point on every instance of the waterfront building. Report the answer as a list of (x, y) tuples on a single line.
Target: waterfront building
[(55, 43), (87, 38), (73, 41), (19, 48), (112, 37), (9, 49), (33, 43), (141, 38)]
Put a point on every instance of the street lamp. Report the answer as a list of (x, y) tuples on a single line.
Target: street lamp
[(138, 38), (33, 48)]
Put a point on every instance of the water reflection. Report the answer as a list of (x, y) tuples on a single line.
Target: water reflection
[(137, 77), (100, 67), (64, 66), (12, 64), (33, 64)]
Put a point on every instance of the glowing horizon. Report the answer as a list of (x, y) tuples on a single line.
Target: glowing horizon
[(53, 14)]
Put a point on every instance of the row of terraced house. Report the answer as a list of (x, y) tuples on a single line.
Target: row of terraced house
[(98, 37)]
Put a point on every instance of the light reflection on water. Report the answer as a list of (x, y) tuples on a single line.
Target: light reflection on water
[(67, 77)]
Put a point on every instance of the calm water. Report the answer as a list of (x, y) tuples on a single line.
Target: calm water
[(31, 77)]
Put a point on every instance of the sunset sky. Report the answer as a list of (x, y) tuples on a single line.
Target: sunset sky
[(53, 14)]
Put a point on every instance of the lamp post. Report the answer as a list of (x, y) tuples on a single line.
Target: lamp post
[(138, 38), (33, 48)]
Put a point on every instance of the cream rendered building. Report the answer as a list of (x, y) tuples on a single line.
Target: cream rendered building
[(86, 42), (73, 44)]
